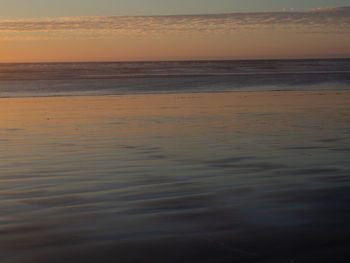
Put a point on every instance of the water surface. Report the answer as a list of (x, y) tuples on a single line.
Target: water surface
[(120, 78), (207, 177)]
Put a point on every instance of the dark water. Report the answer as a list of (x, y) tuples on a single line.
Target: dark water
[(232, 177), (64, 79)]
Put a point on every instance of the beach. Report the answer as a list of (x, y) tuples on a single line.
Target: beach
[(162, 131), (243, 176)]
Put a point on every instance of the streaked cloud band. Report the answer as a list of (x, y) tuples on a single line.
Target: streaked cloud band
[(330, 20)]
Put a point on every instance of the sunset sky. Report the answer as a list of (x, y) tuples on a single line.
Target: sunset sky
[(106, 30)]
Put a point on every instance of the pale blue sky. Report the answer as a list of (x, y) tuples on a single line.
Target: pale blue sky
[(58, 8)]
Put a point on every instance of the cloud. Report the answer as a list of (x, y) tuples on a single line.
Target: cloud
[(331, 9), (322, 20)]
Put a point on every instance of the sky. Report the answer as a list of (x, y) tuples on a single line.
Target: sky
[(59, 8), (119, 30)]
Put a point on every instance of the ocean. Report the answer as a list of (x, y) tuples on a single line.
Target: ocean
[(202, 161), (78, 79)]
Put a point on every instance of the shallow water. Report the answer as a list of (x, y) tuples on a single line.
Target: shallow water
[(232, 177)]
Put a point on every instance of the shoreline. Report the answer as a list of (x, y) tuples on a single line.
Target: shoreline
[(179, 93)]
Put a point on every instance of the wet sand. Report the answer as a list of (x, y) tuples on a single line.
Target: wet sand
[(207, 177)]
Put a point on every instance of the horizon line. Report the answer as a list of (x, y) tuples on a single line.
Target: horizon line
[(177, 60)]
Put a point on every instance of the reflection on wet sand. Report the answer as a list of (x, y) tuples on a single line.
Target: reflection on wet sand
[(232, 177)]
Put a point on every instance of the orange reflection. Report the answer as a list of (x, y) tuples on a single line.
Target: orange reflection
[(140, 113)]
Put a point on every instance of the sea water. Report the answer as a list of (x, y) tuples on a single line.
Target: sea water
[(202, 174), (64, 79)]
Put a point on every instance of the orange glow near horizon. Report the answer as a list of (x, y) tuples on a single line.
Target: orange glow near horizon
[(241, 46)]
